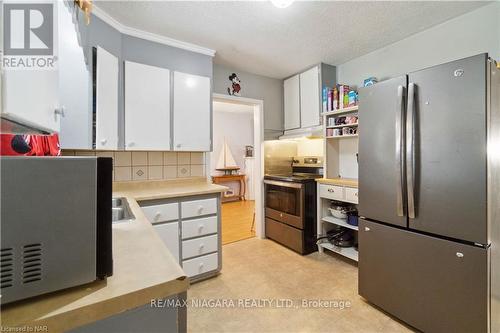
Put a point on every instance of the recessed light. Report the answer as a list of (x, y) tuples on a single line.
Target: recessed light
[(281, 3)]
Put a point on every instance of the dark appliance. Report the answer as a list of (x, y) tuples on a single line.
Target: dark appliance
[(429, 193), (56, 224), (290, 205)]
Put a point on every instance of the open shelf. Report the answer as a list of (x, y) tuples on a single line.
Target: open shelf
[(342, 136), (341, 111), (344, 125), (349, 252), (340, 222)]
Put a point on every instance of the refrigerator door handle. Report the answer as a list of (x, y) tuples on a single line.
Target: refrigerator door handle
[(410, 150), (399, 150)]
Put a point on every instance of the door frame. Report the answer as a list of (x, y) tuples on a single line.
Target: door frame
[(258, 119)]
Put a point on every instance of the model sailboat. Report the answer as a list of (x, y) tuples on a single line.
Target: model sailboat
[(226, 161)]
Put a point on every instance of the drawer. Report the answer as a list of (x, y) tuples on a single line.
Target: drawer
[(198, 207), (162, 213), (351, 194), (169, 234), (199, 227), (331, 192), (199, 246), (285, 235), (201, 265)]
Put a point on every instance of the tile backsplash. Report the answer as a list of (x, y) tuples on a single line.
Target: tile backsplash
[(150, 165)]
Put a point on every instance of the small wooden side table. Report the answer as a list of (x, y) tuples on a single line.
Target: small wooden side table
[(231, 178)]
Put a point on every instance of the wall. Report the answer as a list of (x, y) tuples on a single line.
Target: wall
[(237, 128), (463, 36), (151, 165), (310, 147), (278, 156), (259, 87), (278, 153), (127, 48)]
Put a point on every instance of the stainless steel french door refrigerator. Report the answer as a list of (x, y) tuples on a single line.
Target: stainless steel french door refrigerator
[(429, 196)]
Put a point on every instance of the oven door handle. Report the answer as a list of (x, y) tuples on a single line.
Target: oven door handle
[(283, 184)]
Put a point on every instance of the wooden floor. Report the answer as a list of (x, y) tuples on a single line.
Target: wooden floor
[(237, 221)]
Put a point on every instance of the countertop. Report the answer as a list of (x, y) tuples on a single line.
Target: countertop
[(151, 190), (143, 268), (349, 182)]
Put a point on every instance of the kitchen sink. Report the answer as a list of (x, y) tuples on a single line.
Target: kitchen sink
[(121, 211)]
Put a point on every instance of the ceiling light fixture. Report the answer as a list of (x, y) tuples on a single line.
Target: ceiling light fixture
[(281, 3)]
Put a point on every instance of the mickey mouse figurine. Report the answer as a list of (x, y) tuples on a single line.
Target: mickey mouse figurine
[(235, 85)]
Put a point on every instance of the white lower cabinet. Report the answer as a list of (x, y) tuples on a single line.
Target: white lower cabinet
[(199, 227), (199, 246), (169, 234), (162, 213), (331, 192), (190, 229), (198, 207), (200, 265), (351, 195)]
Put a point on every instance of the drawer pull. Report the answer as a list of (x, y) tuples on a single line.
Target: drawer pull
[(200, 268), (460, 255), (356, 194), (201, 247), (157, 216), (200, 227), (281, 214), (331, 190), (200, 210)]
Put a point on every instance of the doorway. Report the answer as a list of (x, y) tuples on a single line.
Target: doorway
[(237, 143)]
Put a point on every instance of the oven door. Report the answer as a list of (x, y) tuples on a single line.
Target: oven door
[(285, 202)]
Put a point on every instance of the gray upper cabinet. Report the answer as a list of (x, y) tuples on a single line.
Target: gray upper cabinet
[(291, 103)]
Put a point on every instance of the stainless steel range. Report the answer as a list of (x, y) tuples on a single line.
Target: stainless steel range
[(290, 204)]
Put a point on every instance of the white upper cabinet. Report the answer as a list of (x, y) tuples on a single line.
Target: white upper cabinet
[(106, 100), (192, 112), (31, 97), (147, 107), (310, 98), (291, 95)]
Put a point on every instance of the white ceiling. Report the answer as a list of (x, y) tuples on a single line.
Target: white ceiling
[(256, 37)]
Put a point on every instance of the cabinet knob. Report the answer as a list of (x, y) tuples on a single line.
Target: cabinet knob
[(367, 229), (356, 194), (201, 247), (200, 266), (200, 227), (157, 216), (103, 141), (200, 209), (460, 255), (331, 190), (60, 111), (281, 214)]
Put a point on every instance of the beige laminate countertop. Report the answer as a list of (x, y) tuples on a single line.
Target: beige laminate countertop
[(143, 268), (349, 182)]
